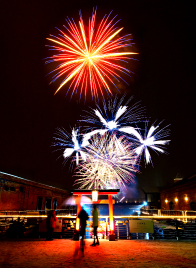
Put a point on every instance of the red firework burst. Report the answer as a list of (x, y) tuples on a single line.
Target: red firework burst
[(92, 59)]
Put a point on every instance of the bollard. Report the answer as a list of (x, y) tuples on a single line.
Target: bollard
[(177, 230)]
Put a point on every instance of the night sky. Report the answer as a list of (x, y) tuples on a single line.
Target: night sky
[(164, 81)]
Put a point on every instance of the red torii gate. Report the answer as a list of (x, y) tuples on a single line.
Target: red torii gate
[(110, 193)]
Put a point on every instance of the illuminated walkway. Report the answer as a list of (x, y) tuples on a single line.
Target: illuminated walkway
[(124, 253)]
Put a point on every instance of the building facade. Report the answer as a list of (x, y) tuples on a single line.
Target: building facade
[(19, 194), (180, 196)]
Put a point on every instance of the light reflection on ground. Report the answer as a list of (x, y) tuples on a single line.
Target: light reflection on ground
[(122, 253)]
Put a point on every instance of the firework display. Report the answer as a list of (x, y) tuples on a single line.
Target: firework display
[(115, 117), (115, 138), (70, 144), (110, 163), (152, 139), (109, 153), (92, 60)]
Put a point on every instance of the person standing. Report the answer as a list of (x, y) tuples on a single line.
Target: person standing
[(95, 215), (83, 216), (50, 224)]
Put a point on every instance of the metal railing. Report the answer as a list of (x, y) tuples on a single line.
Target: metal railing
[(162, 212), (178, 224), (165, 227), (71, 210)]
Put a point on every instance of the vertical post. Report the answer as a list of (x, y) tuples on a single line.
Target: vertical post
[(185, 214), (111, 214), (127, 227), (106, 231), (177, 230), (77, 227), (117, 231), (112, 235), (78, 210), (79, 203)]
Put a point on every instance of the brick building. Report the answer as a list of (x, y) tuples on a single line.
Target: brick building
[(18, 194), (180, 196)]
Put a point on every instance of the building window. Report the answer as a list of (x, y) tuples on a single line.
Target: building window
[(48, 203), (12, 189), (39, 203), (6, 188), (21, 189), (151, 197), (193, 206), (148, 197), (54, 203), (2, 180), (154, 197), (171, 205)]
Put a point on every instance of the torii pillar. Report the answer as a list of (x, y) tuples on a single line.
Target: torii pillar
[(110, 193)]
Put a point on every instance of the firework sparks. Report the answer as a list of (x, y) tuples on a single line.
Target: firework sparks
[(152, 139), (110, 154), (110, 162), (70, 144), (90, 59), (115, 116)]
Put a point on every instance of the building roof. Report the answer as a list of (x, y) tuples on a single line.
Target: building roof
[(186, 181), (16, 179)]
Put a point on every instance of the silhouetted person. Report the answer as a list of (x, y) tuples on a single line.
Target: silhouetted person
[(95, 215), (83, 216), (50, 224)]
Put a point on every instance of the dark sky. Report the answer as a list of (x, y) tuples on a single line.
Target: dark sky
[(164, 81)]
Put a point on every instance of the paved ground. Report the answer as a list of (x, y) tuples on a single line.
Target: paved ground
[(124, 253)]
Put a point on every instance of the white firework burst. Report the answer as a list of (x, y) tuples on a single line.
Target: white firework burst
[(70, 144), (115, 116), (153, 139), (110, 162)]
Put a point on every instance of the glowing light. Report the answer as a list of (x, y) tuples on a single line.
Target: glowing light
[(70, 144), (112, 125), (94, 196), (77, 224), (122, 198), (186, 198), (118, 117), (152, 140), (111, 225), (110, 163), (110, 155), (116, 217), (90, 58), (176, 199), (115, 116), (166, 201)]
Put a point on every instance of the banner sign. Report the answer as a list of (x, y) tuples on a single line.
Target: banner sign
[(141, 226)]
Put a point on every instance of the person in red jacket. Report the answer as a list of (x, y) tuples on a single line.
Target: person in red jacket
[(50, 224)]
